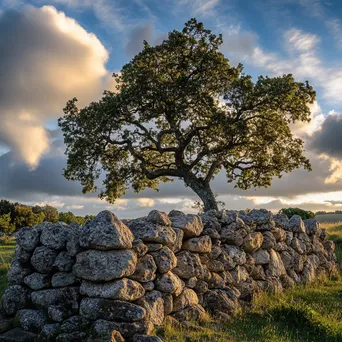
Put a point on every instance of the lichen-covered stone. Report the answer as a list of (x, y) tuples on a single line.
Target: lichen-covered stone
[(269, 240), (165, 259), (104, 265), (261, 257), (64, 262), (200, 244), (145, 270), (296, 224), (49, 332), (121, 289), (75, 323), (17, 273), (18, 335), (106, 232), (191, 225), (188, 297), (158, 217), (99, 308), (28, 238), (63, 279), (16, 297), (54, 236), (188, 265), (153, 303), (252, 242), (43, 259), (169, 283), (31, 320)]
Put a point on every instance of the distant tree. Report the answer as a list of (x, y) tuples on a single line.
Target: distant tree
[(89, 217), (6, 226), (50, 213), (181, 110), (6, 207), (69, 217), (24, 216), (304, 214)]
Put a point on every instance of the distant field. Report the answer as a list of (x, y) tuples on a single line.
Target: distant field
[(329, 218)]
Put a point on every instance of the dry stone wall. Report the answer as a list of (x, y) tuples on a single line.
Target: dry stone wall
[(113, 281)]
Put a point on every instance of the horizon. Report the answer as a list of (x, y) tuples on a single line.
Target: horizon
[(69, 48)]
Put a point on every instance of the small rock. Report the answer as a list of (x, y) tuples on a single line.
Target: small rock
[(49, 333), (252, 242), (188, 297), (269, 241), (169, 283), (75, 323), (281, 221), (15, 298), (188, 265), (261, 257), (177, 246), (149, 286), (54, 236), (158, 217), (71, 337), (17, 273), (64, 262), (153, 303), (145, 270), (174, 213), (58, 313), (140, 248), (296, 224), (28, 238), (62, 279)]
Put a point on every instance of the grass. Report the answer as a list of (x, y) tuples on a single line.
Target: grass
[(329, 218), (7, 247)]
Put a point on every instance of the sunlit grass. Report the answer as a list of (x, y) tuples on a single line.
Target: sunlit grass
[(6, 254)]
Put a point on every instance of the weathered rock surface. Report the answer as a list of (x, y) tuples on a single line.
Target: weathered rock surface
[(17, 335), (201, 244), (54, 236), (28, 238), (104, 265), (252, 242), (190, 224), (106, 232), (169, 283), (153, 303), (31, 320), (15, 298), (99, 308), (121, 289), (165, 259), (43, 259), (145, 270)]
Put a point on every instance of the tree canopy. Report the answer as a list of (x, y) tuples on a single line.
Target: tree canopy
[(181, 110)]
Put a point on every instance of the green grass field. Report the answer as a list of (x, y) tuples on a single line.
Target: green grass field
[(329, 218), (305, 313)]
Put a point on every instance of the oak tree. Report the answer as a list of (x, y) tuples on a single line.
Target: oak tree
[(180, 110)]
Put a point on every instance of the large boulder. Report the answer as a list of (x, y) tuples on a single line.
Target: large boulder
[(106, 232), (200, 244), (55, 235), (62, 279), (111, 310), (28, 238), (105, 265), (31, 320), (16, 297), (152, 232), (191, 225), (121, 289), (43, 259)]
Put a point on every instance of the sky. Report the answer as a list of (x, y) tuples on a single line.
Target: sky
[(52, 51)]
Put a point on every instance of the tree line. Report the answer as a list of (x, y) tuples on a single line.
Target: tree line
[(16, 215)]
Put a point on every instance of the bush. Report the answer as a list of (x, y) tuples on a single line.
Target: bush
[(304, 214)]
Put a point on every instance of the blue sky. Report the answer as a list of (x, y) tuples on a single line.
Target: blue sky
[(55, 50)]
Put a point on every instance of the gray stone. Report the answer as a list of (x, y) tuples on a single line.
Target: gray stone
[(236, 253), (99, 308), (140, 248), (22, 255), (269, 240), (75, 323), (201, 287), (105, 265), (281, 221), (49, 332), (169, 283), (177, 246), (153, 247), (106, 232), (174, 213), (200, 244), (37, 281), (215, 266), (58, 313), (17, 273), (216, 281), (262, 218), (239, 274), (279, 234), (188, 297), (276, 267), (296, 224), (233, 236), (153, 303), (168, 304), (28, 238), (252, 242), (15, 298), (220, 300), (298, 245), (62, 279), (190, 224), (71, 337), (31, 320), (145, 270), (261, 257), (152, 232), (311, 226), (18, 335), (64, 262), (73, 246), (188, 265), (122, 289), (43, 258), (67, 296), (165, 259), (55, 236), (158, 217), (194, 313)]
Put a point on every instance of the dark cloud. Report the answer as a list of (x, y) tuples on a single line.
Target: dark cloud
[(328, 140)]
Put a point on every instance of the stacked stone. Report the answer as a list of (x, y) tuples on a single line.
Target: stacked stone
[(108, 281)]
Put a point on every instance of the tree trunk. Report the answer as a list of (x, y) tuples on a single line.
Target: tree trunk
[(204, 191)]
